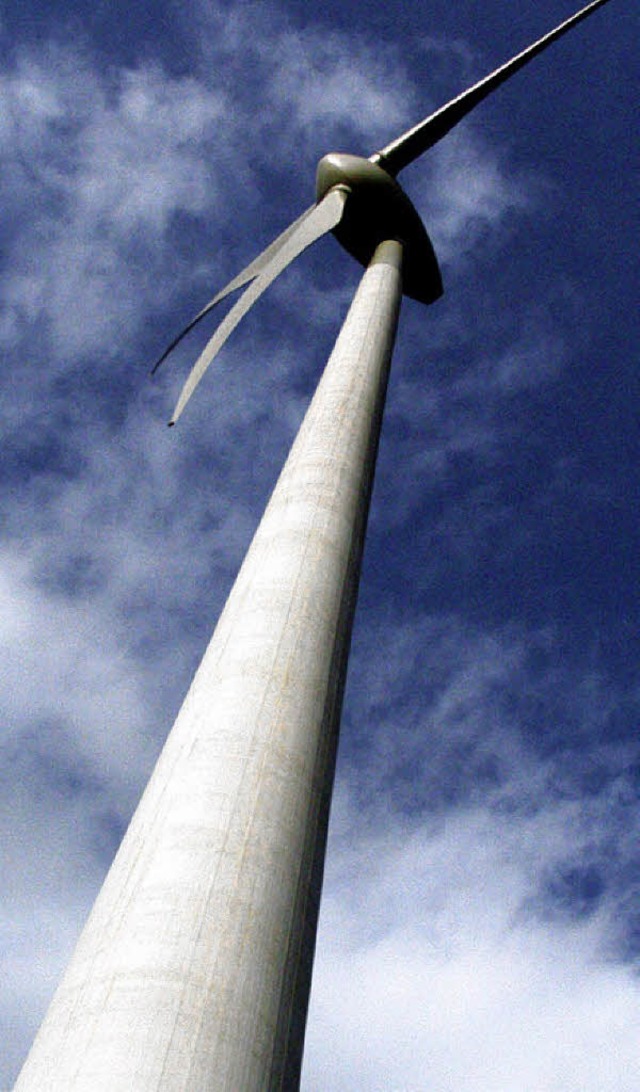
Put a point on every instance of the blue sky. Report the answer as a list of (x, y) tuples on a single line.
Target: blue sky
[(480, 926)]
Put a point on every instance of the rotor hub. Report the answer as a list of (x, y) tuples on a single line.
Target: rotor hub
[(378, 209)]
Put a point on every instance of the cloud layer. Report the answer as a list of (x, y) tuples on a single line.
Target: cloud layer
[(479, 928)]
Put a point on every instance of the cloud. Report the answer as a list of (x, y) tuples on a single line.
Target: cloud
[(427, 978), (471, 921), (323, 75), (469, 193), (105, 163)]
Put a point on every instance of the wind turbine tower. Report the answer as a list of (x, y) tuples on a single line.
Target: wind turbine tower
[(194, 968)]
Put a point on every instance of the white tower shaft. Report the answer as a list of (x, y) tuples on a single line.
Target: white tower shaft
[(193, 970)]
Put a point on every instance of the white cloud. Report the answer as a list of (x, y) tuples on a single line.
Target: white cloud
[(104, 165), (324, 75), (467, 192), (429, 978)]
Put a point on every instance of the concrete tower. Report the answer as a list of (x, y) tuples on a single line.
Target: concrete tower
[(194, 968)]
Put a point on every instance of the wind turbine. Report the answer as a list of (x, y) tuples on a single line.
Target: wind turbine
[(194, 968)]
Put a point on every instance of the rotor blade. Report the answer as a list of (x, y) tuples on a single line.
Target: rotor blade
[(414, 142), (324, 217), (248, 274)]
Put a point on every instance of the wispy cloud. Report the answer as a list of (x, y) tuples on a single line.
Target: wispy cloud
[(429, 977), (105, 163), (471, 926)]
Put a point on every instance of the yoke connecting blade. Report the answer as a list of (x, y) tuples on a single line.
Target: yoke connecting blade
[(314, 223)]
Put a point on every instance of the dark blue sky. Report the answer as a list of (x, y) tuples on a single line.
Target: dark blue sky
[(481, 925)]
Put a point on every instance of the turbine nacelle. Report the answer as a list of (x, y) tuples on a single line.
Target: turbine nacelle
[(377, 209)]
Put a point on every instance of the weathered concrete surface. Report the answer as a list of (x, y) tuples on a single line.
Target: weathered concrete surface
[(193, 970)]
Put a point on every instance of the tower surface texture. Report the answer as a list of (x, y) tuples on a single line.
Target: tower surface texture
[(194, 968)]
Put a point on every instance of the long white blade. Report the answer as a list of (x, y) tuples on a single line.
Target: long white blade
[(247, 274), (324, 217), (402, 151)]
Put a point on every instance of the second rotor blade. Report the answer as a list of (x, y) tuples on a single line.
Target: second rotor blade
[(324, 217)]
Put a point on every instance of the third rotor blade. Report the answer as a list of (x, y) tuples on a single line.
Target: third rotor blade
[(248, 274)]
